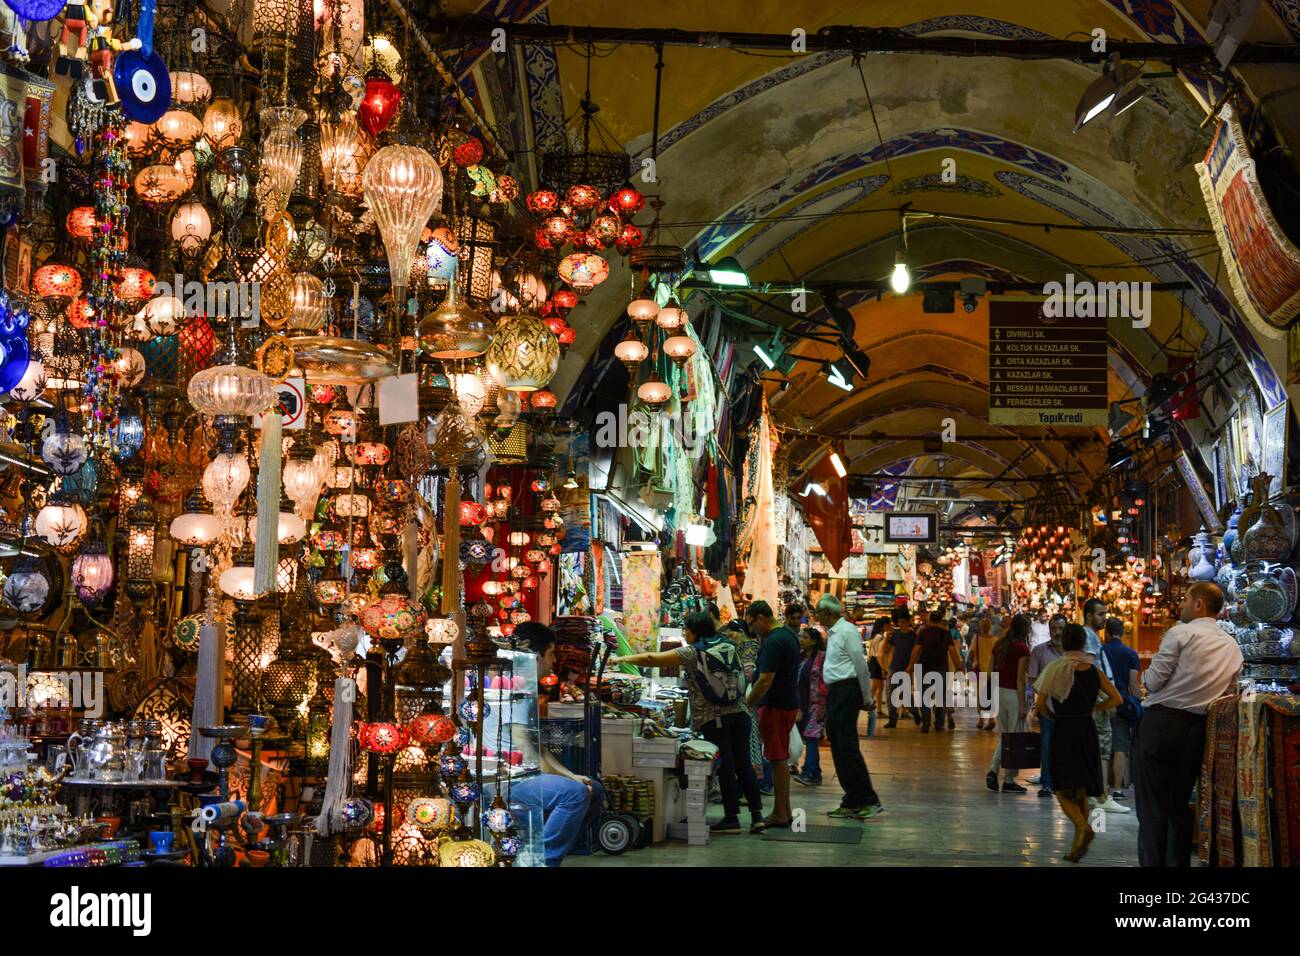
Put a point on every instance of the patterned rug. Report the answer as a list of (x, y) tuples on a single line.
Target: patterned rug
[(1286, 789), (1217, 792)]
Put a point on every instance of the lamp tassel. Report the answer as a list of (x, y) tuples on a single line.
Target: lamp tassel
[(208, 681), (340, 766), (266, 553), (451, 546)]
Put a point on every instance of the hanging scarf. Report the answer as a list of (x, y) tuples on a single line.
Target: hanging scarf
[(1057, 678)]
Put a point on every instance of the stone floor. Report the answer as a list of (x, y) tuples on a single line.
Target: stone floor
[(938, 813)]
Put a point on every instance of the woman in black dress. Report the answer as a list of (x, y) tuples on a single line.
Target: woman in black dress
[(1067, 692)]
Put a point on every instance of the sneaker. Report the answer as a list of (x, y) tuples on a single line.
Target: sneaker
[(1045, 792), (891, 725), (867, 813), (812, 781), (1110, 806), (1036, 779), (1010, 786), (991, 780), (726, 825), (844, 813), (1118, 794), (766, 791), (758, 826), (797, 778)]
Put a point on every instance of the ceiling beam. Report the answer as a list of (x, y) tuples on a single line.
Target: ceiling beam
[(858, 40)]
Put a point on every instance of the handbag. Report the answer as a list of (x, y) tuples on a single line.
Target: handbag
[(1022, 751)]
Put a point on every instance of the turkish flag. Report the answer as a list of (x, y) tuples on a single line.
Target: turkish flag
[(828, 514), (1185, 404), (32, 135)]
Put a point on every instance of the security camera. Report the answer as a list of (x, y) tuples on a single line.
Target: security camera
[(968, 302)]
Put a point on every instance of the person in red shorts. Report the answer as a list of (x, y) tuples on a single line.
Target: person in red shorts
[(775, 693)]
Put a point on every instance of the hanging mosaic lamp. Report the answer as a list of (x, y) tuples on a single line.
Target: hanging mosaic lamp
[(403, 188), (379, 103), (524, 355)]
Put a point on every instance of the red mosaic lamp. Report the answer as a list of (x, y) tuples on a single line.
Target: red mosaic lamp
[(379, 103)]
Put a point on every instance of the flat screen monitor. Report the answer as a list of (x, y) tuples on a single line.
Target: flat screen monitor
[(911, 527)]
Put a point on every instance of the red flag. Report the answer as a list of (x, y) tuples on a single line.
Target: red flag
[(1185, 404), (828, 514)]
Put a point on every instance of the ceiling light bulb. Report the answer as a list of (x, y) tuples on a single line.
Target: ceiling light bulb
[(900, 280)]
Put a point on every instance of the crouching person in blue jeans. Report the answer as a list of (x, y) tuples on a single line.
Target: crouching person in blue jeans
[(566, 801)]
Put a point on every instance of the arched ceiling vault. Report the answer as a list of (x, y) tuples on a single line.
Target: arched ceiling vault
[(780, 162)]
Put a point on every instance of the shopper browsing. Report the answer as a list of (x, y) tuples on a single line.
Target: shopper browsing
[(1126, 668), (812, 706), (775, 694), (846, 678), (875, 666), (981, 662), (1039, 658), (1196, 664), (566, 801), (898, 650), (1094, 621), (1068, 691), (715, 681), (937, 654), (1011, 664)]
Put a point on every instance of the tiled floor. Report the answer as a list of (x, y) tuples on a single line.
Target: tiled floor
[(938, 813)]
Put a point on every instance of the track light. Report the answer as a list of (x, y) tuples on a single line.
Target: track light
[(1116, 87), (773, 355), (838, 464), (840, 374), (728, 271)]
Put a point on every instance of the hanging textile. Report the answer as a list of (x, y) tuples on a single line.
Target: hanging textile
[(1216, 802), (598, 565), (1262, 262), (642, 574), (761, 579), (1286, 789)]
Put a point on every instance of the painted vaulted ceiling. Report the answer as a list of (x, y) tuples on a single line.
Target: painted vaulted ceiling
[(746, 140)]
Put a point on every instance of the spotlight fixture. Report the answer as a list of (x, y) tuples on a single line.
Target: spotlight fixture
[(1118, 454), (772, 354), (729, 272), (857, 361), (838, 464), (1116, 90), (840, 374)]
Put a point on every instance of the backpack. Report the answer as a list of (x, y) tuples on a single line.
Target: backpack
[(718, 674)]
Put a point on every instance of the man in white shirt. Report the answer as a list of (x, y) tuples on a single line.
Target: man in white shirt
[(847, 687), (1197, 663), (1040, 631)]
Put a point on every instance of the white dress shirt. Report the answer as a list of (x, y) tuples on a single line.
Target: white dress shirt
[(1039, 633), (1197, 663), (844, 657)]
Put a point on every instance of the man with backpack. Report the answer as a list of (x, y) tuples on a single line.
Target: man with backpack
[(715, 681), (847, 682)]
